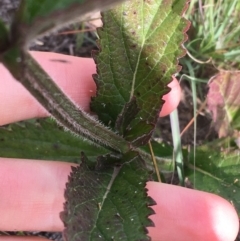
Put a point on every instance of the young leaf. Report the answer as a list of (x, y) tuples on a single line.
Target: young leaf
[(224, 102), (108, 202), (36, 17), (43, 139), (140, 43), (216, 172)]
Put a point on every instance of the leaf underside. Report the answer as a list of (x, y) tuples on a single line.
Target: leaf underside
[(216, 172), (108, 202), (139, 50)]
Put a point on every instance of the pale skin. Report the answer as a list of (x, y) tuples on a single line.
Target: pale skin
[(32, 191)]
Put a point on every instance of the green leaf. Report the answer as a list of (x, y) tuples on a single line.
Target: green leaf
[(140, 43), (216, 171), (224, 102), (4, 37), (108, 202), (39, 16), (44, 140)]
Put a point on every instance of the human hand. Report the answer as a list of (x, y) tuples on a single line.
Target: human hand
[(32, 191)]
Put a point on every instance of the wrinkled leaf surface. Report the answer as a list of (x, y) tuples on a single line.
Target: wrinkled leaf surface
[(107, 202), (44, 140), (140, 44)]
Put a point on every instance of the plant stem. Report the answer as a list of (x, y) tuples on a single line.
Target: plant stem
[(177, 150), (154, 161), (66, 113)]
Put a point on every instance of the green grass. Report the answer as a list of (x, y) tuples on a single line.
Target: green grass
[(213, 36)]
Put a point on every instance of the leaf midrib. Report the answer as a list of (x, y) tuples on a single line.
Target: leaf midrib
[(142, 46), (115, 173)]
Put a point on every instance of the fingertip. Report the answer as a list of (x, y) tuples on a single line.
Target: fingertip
[(72, 74), (22, 238), (185, 214), (32, 193), (225, 221), (172, 98)]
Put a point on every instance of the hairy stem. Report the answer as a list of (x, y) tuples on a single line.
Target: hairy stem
[(67, 114)]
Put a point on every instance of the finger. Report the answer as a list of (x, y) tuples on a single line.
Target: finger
[(171, 99), (32, 197), (72, 74), (32, 194), (191, 215), (11, 238)]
